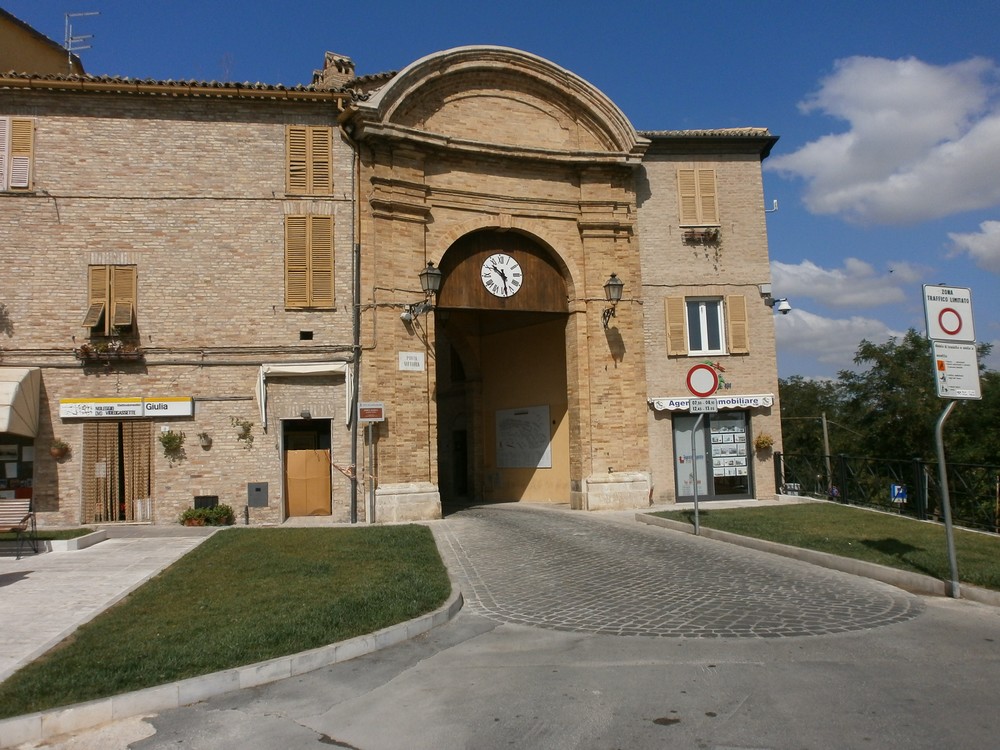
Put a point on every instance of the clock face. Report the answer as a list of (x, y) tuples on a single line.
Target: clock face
[(501, 275)]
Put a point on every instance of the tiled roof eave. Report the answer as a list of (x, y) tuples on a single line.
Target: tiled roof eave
[(215, 89), (721, 140)]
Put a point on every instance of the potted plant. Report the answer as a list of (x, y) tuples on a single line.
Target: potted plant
[(763, 442), (107, 349), (219, 515), (204, 440), (58, 448), (173, 445), (244, 434)]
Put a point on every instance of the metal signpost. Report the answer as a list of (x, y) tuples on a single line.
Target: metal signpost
[(369, 413), (701, 407), (950, 327)]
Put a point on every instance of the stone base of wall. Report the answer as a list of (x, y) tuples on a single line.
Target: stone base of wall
[(621, 490), (407, 501)]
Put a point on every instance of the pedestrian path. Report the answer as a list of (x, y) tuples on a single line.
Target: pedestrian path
[(45, 597)]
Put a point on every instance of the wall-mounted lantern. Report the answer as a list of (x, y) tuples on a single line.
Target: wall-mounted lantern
[(613, 293)]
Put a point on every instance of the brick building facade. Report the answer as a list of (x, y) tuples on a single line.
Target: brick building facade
[(239, 265)]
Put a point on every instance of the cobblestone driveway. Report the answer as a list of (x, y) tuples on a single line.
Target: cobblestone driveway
[(576, 571)]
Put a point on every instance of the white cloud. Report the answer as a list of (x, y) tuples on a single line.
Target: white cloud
[(982, 246), (923, 141), (855, 285), (828, 340)]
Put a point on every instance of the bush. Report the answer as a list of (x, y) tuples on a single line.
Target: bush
[(220, 515)]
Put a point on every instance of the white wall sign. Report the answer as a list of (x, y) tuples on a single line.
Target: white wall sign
[(524, 439), (411, 361), (956, 370), (179, 406), (683, 403), (124, 408), (948, 312)]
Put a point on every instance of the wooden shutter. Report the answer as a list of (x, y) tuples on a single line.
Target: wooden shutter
[(4, 147), (697, 193), (22, 136), (123, 288), (308, 153), (687, 189), (707, 204), (321, 261), (320, 162), (296, 261), (297, 158), (97, 295), (737, 328), (309, 261), (676, 330)]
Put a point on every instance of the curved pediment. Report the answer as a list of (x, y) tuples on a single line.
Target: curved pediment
[(495, 98)]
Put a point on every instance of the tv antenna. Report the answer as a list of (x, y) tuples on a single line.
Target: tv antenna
[(79, 42)]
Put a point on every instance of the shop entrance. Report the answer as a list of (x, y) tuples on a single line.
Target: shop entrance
[(117, 466), (722, 461), (307, 467)]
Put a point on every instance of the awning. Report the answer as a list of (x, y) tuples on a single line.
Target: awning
[(316, 368), (19, 390)]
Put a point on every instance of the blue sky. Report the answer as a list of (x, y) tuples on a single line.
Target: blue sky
[(887, 173)]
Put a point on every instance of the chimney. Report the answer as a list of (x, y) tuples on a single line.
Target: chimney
[(337, 70)]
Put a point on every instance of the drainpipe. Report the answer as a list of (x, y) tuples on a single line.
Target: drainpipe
[(356, 364)]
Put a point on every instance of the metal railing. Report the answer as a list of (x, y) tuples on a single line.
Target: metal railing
[(907, 487)]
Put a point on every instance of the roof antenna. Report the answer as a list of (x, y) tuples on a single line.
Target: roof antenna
[(76, 43)]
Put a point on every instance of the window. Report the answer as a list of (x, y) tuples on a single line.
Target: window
[(309, 261), (111, 297), (309, 164), (17, 135), (707, 325), (704, 326), (698, 204)]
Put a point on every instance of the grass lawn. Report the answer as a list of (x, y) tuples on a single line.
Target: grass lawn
[(883, 538), (243, 596)]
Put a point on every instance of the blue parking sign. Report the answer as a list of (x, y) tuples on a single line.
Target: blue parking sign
[(898, 492)]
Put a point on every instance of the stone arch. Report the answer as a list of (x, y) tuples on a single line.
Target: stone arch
[(543, 108)]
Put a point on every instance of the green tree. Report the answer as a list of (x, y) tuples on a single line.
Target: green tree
[(891, 400), (972, 432), (803, 404)]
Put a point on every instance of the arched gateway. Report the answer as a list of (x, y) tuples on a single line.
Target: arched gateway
[(517, 179)]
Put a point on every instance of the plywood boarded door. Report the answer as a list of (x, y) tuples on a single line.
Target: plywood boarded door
[(307, 482)]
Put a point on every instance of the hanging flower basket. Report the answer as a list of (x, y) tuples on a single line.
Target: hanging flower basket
[(108, 351), (763, 442), (58, 449), (703, 235)]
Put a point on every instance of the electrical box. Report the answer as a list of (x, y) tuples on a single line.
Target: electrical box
[(257, 494)]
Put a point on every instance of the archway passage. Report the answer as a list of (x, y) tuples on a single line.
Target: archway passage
[(503, 417)]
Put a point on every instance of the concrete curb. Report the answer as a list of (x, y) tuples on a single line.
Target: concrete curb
[(46, 724), (78, 543), (912, 582)]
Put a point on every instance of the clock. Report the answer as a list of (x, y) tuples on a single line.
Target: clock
[(501, 275)]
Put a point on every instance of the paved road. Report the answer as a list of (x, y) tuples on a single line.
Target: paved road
[(593, 631), (564, 571)]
